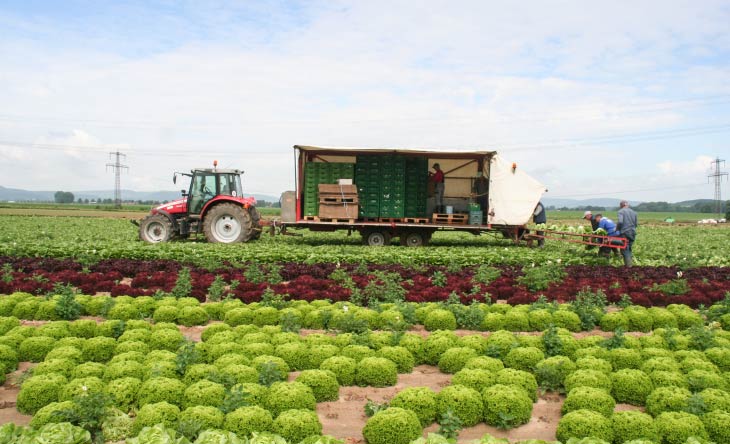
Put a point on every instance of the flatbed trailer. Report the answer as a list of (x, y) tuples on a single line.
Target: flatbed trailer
[(409, 234), (512, 197)]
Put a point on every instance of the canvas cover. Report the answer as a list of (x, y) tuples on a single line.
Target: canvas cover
[(513, 195)]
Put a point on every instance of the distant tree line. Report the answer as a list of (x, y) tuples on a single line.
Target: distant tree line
[(661, 207), (665, 207)]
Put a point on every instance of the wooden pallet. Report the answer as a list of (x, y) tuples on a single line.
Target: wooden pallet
[(311, 218), (390, 219), (450, 219), (337, 219), (369, 219), (415, 220)]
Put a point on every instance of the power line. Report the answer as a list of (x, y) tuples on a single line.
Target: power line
[(586, 110), (148, 150), (621, 138), (560, 144)]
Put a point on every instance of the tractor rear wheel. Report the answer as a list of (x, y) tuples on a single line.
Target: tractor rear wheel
[(227, 223), (155, 228), (255, 222)]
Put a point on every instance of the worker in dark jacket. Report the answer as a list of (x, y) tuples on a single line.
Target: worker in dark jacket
[(590, 218), (588, 215), (438, 179), (540, 217), (627, 223), (480, 192)]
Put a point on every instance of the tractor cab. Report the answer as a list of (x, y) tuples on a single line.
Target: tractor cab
[(207, 184)]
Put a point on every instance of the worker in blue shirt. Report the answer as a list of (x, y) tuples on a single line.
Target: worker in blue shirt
[(607, 224), (610, 227)]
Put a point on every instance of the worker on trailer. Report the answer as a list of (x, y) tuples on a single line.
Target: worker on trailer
[(480, 191), (539, 216), (438, 180), (627, 222), (610, 227)]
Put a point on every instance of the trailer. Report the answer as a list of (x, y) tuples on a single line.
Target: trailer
[(394, 198)]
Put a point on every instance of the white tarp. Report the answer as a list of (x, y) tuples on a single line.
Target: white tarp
[(513, 194)]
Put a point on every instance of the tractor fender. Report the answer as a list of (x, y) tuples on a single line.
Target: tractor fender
[(243, 202), (173, 221)]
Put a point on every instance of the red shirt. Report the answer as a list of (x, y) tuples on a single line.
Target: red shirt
[(438, 176)]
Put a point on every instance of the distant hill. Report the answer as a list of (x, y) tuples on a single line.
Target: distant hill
[(692, 203), (575, 203), (18, 195)]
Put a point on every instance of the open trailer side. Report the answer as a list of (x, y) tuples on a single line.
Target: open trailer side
[(411, 215)]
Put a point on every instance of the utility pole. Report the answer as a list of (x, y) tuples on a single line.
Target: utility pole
[(117, 167), (717, 175)]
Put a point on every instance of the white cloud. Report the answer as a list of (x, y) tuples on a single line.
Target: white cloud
[(541, 82), (694, 167)]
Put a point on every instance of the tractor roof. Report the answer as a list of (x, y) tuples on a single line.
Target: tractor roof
[(217, 170)]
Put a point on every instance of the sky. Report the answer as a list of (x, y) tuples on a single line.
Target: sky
[(617, 99)]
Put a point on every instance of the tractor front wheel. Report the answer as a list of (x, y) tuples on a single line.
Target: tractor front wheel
[(155, 228), (227, 223)]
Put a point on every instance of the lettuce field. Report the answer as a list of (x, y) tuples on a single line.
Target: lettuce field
[(316, 339)]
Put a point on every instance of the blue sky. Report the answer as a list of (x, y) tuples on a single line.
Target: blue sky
[(622, 99)]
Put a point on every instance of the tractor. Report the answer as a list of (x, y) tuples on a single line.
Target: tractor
[(213, 205)]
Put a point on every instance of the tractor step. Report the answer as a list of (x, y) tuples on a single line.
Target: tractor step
[(450, 219)]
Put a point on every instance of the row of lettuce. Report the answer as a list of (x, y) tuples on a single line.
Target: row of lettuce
[(588, 311), (366, 284), (67, 433), (103, 238), (128, 375)]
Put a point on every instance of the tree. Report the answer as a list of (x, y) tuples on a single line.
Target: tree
[(63, 197), (727, 210)]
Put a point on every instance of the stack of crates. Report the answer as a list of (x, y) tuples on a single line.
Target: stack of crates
[(416, 186), (393, 187), (316, 173), (367, 178)]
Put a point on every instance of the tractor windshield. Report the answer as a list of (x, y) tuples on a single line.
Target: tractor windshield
[(203, 188), (230, 185)]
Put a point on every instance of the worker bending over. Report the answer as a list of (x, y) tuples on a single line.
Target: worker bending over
[(610, 227)]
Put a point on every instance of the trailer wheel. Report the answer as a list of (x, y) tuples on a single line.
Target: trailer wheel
[(376, 238), (413, 239)]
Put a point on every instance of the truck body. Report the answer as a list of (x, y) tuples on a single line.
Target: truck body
[(395, 185)]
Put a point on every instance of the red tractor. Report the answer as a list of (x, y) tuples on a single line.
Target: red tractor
[(214, 205)]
